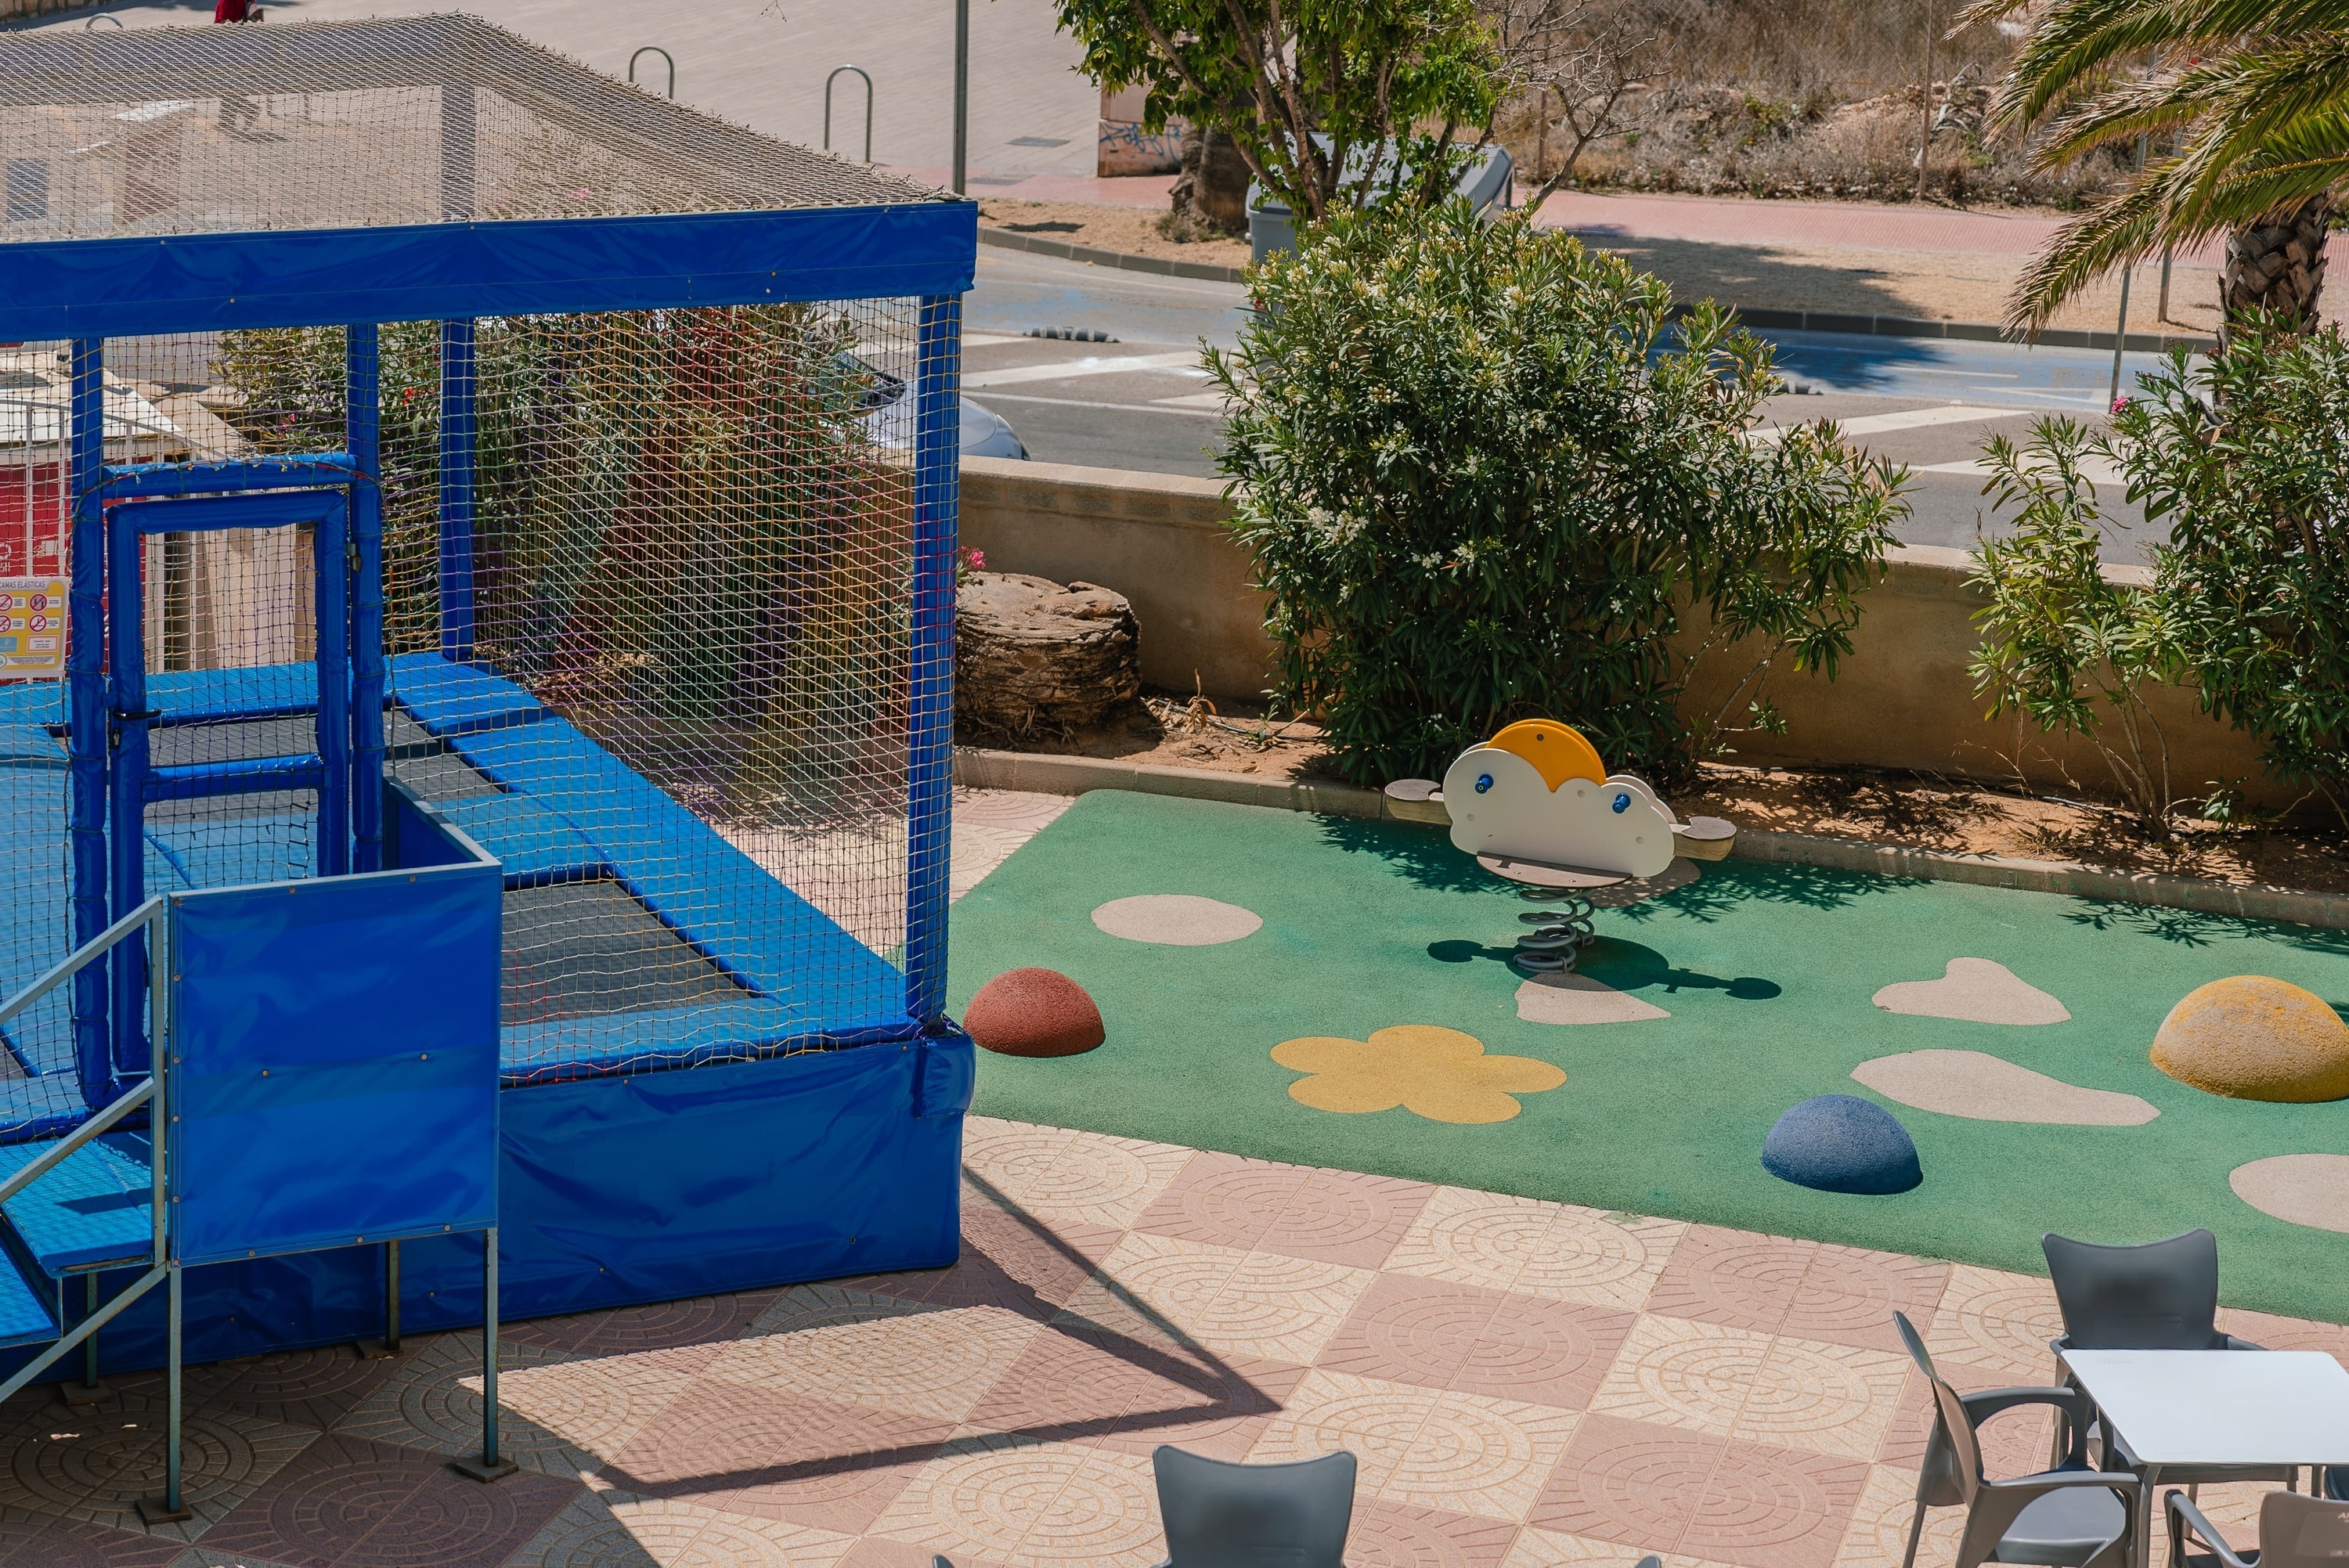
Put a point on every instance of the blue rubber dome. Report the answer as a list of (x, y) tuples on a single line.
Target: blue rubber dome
[(1842, 1143)]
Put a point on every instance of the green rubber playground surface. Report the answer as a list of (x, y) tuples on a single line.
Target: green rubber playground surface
[(1767, 975)]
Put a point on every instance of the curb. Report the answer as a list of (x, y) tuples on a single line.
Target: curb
[(976, 767), (1003, 239), (1758, 317)]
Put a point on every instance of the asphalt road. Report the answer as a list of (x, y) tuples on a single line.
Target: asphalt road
[(1141, 402)]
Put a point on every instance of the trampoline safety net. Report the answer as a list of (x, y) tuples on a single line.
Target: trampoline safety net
[(647, 575)]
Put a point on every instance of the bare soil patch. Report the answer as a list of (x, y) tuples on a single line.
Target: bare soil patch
[(1952, 816), (1131, 231)]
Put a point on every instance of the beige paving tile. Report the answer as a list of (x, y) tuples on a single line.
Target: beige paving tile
[(1377, 1421), (1485, 1457), (1473, 1238), (1076, 1178), (937, 1364), (1833, 1399), (1877, 1534), (1282, 1308), (680, 1535), (93, 1465), (1590, 1257), (1154, 1288), (1676, 1372), (1017, 1502), (1998, 1323)]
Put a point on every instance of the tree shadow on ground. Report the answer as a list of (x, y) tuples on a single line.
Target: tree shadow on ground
[(1727, 886), (2196, 928), (1624, 965)]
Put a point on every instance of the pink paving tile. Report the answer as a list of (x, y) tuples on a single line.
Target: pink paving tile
[(777, 1456), (1410, 1330), (1774, 1508), (1543, 1352), (299, 1387), (1217, 1406), (1849, 1294), (1007, 1262), (1731, 1277), (2016, 1443), (1393, 1535), (2275, 1333), (1069, 1384), (659, 1325), (1629, 1483), (1223, 1199), (27, 1542), (880, 1551), (347, 1502), (1338, 1217)]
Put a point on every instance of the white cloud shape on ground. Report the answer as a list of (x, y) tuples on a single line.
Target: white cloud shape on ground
[(1974, 991), (1519, 815)]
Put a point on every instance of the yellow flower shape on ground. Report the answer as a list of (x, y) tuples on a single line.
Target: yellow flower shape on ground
[(1440, 1074)]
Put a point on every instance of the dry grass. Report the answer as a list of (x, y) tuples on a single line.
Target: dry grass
[(1808, 98)]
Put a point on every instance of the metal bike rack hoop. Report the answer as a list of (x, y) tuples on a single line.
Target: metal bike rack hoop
[(861, 71)]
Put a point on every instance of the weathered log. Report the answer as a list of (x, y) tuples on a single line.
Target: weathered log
[(1032, 655)]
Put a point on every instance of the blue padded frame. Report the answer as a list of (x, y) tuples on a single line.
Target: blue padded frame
[(299, 277)]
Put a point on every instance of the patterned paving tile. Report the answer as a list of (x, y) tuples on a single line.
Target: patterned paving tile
[(1160, 1289), (1414, 1331), (834, 1345), (1455, 1453), (1016, 1500), (1835, 1398), (1544, 1352), (1677, 1372), (1223, 1200), (35, 1541), (1021, 809), (298, 1388), (1396, 1535), (1997, 1322), (202, 1556), (1878, 1535), (658, 1325), (1211, 1405), (1774, 1508), (1340, 1217), (353, 1503), (1849, 1294), (94, 1465), (1472, 1238), (1732, 1277), (1629, 1483), (1548, 1549), (612, 1530), (1009, 1259), (433, 1402), (740, 1450), (2285, 1333), (1603, 1260), (1061, 1176)]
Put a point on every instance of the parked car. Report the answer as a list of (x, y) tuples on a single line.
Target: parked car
[(888, 401)]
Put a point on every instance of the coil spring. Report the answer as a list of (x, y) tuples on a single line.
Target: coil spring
[(1549, 948)]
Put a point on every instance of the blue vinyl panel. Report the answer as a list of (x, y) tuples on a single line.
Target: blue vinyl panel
[(24, 1315), (297, 277), (334, 1061), (530, 842), (449, 698)]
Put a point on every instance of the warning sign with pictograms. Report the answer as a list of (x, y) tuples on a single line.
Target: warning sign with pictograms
[(32, 627)]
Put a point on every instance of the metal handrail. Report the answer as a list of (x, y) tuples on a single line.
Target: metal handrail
[(81, 957), (861, 71), (654, 49), (103, 17)]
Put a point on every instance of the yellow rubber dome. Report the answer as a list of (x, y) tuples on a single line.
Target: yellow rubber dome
[(2252, 1037)]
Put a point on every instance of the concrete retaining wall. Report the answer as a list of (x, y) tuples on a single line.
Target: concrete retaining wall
[(1902, 700)]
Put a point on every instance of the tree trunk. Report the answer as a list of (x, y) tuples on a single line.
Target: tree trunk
[(1212, 191), (2277, 265)]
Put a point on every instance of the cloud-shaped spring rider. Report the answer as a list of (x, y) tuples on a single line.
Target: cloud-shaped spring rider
[(1537, 806)]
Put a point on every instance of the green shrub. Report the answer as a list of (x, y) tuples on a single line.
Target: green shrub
[(2245, 456), (2063, 644), (1482, 486)]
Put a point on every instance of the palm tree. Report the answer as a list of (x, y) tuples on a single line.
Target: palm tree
[(2253, 97)]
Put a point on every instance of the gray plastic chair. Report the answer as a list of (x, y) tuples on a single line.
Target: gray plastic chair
[(2067, 1517), (2159, 1295), (2295, 1532), (1223, 1515)]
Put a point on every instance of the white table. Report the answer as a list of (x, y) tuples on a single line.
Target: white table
[(2176, 1408)]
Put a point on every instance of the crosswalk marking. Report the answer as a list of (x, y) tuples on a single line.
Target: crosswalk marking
[(1909, 419), (1066, 369)]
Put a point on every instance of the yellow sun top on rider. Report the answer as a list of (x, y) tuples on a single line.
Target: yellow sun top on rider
[(1558, 751)]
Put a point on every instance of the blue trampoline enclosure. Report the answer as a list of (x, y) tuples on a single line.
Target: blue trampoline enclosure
[(475, 696)]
